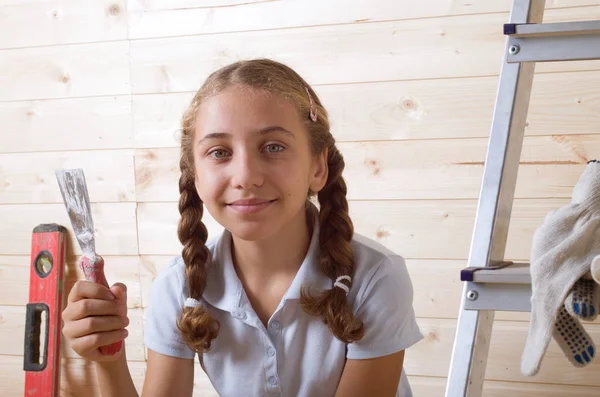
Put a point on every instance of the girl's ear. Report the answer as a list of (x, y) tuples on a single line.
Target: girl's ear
[(320, 171)]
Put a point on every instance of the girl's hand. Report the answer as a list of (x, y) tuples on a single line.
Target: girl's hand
[(95, 316)]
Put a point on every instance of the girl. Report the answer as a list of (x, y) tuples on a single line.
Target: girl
[(287, 301)]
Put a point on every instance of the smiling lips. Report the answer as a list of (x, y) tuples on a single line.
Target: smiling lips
[(250, 206)]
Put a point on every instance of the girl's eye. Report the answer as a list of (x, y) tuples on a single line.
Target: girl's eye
[(218, 153), (274, 148)]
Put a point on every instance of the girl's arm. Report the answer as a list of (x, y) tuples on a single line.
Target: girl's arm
[(114, 378), (371, 377), (168, 376), (165, 376)]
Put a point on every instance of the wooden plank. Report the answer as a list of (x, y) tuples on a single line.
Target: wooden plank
[(434, 169), (14, 278), (65, 71), (114, 225), (61, 22), (162, 218), (35, 126), (436, 283), (561, 103), (462, 46), (438, 289), (12, 328), (435, 297), (79, 378), (506, 347), (417, 229), (160, 19), (157, 117), (436, 386), (29, 178)]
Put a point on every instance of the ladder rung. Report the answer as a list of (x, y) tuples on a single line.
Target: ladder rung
[(552, 29), (505, 273), (553, 42)]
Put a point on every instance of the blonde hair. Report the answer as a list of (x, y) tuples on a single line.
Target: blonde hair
[(196, 324)]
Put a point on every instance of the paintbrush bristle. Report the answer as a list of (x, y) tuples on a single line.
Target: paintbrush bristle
[(74, 192)]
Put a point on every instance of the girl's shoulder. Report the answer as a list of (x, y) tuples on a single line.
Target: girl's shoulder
[(372, 257), (173, 272)]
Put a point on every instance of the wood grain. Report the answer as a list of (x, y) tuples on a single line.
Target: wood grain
[(79, 378), (419, 229), (61, 22), (114, 225), (78, 70), (436, 386), (161, 19), (12, 328), (66, 124), (414, 169), (14, 277), (506, 347), (435, 297), (561, 104), (436, 48), (29, 178)]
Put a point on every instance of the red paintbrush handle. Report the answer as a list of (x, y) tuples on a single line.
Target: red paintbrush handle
[(93, 269)]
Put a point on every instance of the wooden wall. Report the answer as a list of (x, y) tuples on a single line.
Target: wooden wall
[(410, 87)]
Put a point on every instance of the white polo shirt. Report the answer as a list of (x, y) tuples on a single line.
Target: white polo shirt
[(295, 355)]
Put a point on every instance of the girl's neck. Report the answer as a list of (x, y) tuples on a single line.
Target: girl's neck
[(278, 256)]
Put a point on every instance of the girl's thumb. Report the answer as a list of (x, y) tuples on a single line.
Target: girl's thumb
[(119, 290)]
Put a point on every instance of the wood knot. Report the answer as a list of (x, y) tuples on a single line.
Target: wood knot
[(65, 79), (409, 104), (432, 336), (380, 233), (143, 178), (374, 164), (55, 14), (149, 155), (114, 10)]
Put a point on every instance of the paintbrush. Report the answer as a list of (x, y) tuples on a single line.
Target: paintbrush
[(77, 202)]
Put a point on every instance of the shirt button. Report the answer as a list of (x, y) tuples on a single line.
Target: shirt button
[(275, 325), (272, 380), (271, 351), (240, 315)]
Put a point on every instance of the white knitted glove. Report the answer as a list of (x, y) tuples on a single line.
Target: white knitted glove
[(563, 248)]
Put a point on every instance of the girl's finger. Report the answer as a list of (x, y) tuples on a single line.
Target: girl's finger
[(83, 289), (89, 343)]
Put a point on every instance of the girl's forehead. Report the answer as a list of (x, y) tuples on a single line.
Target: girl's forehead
[(236, 110)]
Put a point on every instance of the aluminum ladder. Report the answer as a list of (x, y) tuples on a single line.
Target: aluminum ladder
[(490, 282)]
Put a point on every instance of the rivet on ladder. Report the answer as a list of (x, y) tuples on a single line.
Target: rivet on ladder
[(472, 295), (514, 49)]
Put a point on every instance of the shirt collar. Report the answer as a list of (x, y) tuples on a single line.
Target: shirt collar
[(224, 289)]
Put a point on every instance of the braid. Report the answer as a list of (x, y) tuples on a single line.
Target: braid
[(336, 256), (196, 324)]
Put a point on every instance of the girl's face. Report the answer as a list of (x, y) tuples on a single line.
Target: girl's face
[(254, 166)]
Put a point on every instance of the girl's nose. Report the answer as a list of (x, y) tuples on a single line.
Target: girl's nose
[(247, 171)]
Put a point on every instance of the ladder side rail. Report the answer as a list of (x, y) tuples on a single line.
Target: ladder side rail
[(474, 327)]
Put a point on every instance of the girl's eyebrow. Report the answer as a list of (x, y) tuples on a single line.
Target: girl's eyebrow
[(262, 131)]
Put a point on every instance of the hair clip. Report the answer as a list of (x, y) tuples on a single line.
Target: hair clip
[(313, 112), (191, 302), (339, 284)]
